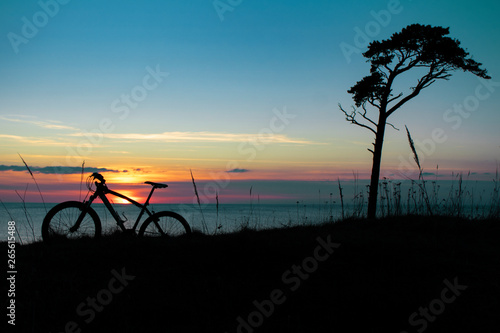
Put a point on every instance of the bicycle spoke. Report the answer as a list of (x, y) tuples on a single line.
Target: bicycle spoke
[(61, 221), (165, 224)]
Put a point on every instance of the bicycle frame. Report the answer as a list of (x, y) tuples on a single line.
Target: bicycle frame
[(101, 191)]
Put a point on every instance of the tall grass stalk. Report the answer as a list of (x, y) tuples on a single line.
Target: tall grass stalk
[(358, 200), (330, 212), (26, 214), (12, 219), (250, 215), (495, 200), (414, 151), (423, 190), (258, 211), (251, 201), (435, 189), (81, 181), (217, 225), (34, 179), (319, 204), (341, 198), (203, 222)]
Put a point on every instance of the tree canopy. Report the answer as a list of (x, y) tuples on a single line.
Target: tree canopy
[(415, 46)]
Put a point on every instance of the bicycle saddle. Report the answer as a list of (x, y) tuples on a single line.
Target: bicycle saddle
[(159, 185)]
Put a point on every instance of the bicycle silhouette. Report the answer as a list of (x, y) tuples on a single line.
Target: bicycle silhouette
[(75, 219)]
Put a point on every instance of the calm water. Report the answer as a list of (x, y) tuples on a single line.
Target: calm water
[(230, 217)]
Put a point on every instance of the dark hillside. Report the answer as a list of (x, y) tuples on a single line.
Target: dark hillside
[(444, 273)]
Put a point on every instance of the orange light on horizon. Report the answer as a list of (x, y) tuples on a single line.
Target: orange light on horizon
[(128, 193), (140, 177)]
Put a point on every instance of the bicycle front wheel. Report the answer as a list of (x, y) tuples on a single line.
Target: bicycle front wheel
[(60, 222), (165, 224)]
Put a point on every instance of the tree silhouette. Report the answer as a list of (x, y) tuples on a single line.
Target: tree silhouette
[(415, 47)]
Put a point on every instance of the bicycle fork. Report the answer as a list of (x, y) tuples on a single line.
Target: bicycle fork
[(82, 214)]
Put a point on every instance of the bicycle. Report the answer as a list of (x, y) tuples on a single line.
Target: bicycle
[(75, 219)]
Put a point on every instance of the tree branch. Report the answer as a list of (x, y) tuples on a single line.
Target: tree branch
[(422, 83), (364, 116), (352, 119), (394, 98), (415, 92), (372, 102), (371, 150), (397, 129)]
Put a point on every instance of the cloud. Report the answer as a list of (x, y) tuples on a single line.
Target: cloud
[(55, 169), (33, 140), (238, 171), (264, 138), (49, 124)]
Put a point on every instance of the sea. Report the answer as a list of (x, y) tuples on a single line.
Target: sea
[(208, 218)]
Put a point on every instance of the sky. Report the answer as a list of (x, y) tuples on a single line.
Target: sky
[(244, 94)]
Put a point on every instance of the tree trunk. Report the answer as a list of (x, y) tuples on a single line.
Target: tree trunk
[(377, 158)]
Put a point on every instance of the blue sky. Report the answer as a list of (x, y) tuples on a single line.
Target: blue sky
[(226, 78)]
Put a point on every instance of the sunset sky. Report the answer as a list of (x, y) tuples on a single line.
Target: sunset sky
[(243, 93)]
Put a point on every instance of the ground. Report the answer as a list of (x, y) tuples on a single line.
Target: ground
[(404, 274)]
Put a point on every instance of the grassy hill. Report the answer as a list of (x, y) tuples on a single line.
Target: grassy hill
[(405, 274)]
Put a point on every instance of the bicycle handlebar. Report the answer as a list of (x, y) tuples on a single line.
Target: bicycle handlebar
[(99, 177)]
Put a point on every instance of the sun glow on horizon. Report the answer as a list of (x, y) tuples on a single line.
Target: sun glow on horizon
[(128, 193)]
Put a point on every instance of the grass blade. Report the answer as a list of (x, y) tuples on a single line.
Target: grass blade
[(34, 179), (341, 198), (81, 181), (12, 219), (420, 175), (415, 155), (204, 224)]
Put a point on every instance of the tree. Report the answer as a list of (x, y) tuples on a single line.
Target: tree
[(416, 47)]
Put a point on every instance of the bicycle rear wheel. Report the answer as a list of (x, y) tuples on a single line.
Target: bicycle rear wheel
[(165, 224), (60, 221)]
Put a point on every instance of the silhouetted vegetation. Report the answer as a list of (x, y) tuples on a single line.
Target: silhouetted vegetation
[(381, 273), (415, 47)]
